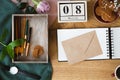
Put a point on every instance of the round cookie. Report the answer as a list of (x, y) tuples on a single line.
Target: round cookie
[(98, 11), (108, 16), (38, 51)]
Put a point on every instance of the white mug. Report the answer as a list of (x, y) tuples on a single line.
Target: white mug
[(117, 72)]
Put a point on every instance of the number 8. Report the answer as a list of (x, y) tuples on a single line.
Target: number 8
[(78, 11)]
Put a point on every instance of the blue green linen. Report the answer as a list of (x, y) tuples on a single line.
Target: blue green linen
[(7, 8)]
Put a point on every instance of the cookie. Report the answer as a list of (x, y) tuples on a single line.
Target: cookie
[(106, 4), (98, 11), (108, 16), (101, 3), (38, 51)]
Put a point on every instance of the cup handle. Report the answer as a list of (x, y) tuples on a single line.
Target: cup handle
[(113, 74)]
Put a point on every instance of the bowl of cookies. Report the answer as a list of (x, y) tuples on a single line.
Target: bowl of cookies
[(104, 11)]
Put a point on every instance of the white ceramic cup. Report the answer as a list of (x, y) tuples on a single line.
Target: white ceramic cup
[(117, 72)]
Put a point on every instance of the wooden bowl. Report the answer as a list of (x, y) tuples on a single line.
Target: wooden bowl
[(99, 17)]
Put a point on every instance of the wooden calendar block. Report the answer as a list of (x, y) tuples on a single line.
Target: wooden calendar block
[(72, 11)]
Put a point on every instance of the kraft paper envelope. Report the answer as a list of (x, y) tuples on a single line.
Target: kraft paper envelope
[(82, 47)]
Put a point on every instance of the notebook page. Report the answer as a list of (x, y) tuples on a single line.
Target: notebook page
[(64, 34), (116, 42)]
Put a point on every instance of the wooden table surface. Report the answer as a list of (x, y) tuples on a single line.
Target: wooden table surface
[(85, 70)]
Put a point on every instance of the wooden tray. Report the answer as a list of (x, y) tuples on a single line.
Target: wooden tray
[(39, 36)]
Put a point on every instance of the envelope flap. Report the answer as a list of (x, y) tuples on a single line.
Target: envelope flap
[(94, 48), (76, 47)]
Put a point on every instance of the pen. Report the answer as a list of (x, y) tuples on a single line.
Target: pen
[(28, 40)]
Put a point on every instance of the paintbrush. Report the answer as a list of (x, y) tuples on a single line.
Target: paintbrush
[(26, 33), (28, 41)]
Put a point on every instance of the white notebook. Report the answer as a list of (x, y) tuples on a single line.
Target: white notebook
[(109, 39)]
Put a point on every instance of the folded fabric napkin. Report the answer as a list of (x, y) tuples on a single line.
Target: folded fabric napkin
[(7, 8)]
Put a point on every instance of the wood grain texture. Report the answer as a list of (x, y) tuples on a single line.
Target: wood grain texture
[(86, 70)]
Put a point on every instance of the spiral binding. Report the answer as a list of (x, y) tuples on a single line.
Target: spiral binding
[(108, 43), (112, 43)]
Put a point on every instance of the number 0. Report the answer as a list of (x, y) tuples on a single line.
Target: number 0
[(66, 9)]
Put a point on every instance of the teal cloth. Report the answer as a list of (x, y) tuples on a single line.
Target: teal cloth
[(7, 8)]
